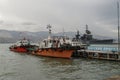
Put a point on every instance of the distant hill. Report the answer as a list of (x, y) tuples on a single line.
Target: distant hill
[(12, 36)]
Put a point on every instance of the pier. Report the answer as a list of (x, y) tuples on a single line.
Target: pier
[(104, 55)]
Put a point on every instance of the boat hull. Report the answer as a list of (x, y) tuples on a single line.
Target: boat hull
[(18, 49), (59, 53), (24, 49)]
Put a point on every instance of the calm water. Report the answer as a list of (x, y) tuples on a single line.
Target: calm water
[(15, 66)]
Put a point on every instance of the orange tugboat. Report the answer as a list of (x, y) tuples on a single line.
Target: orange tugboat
[(22, 46), (58, 46)]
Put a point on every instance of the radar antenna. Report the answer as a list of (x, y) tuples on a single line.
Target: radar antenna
[(49, 28)]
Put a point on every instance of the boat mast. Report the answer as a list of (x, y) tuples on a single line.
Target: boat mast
[(86, 38), (49, 28), (86, 28), (118, 28)]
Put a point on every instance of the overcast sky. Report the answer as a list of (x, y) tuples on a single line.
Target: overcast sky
[(72, 15)]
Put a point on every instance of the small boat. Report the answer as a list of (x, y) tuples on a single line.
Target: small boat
[(23, 45), (58, 46)]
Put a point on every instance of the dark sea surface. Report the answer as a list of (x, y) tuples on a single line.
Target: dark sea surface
[(19, 66)]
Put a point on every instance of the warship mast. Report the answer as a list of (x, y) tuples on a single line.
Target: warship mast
[(118, 28)]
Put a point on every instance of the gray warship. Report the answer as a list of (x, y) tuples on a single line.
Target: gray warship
[(87, 38)]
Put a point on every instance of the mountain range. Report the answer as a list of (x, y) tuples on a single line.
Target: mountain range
[(12, 36)]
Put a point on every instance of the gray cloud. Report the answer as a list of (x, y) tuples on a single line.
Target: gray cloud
[(100, 15)]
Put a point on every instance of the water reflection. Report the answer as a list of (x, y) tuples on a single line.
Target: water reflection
[(57, 61)]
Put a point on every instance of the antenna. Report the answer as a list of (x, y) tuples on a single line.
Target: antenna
[(118, 28)]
